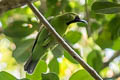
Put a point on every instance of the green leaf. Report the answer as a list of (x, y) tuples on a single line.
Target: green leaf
[(69, 57), (6, 76), (106, 7), (73, 36), (97, 17), (104, 39), (22, 14), (50, 76), (81, 75), (20, 29), (54, 66), (94, 26), (58, 51), (22, 52), (116, 44), (40, 68), (94, 59), (114, 27), (109, 33)]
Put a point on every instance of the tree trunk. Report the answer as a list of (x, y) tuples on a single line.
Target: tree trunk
[(6, 5)]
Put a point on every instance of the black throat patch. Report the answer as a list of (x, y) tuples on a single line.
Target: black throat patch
[(77, 19)]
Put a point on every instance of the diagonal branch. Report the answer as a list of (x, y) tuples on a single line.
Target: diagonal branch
[(63, 43), (116, 54)]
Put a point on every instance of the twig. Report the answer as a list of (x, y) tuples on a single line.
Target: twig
[(116, 54), (63, 43), (88, 28)]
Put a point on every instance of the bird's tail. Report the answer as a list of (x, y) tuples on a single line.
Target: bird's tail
[(30, 66)]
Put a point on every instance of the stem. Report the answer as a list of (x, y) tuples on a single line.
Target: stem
[(63, 43), (88, 28)]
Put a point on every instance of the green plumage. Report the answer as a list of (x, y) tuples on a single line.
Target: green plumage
[(45, 40)]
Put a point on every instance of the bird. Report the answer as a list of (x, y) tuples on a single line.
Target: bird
[(46, 40)]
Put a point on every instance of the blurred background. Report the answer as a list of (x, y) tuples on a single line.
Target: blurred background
[(98, 43)]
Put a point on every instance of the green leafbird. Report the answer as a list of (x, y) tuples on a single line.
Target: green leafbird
[(45, 40)]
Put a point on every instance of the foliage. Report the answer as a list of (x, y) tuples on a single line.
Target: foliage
[(20, 28), (81, 74)]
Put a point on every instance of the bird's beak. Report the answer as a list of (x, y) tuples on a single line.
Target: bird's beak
[(77, 19), (83, 21)]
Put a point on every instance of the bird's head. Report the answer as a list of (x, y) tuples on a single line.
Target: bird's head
[(73, 18), (61, 22)]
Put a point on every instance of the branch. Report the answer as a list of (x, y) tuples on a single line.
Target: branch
[(88, 28), (6, 5), (116, 54), (63, 43)]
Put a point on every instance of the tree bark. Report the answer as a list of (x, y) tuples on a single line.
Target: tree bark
[(6, 5)]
